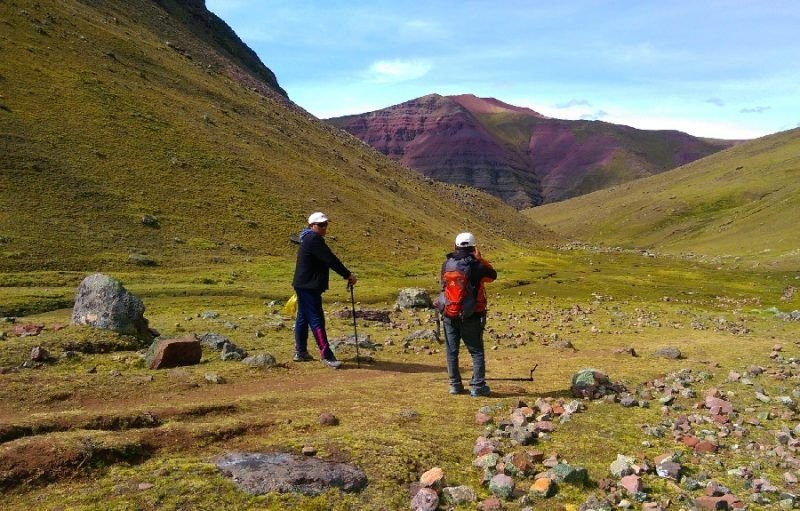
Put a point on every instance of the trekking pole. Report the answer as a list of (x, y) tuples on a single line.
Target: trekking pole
[(438, 326), (355, 328)]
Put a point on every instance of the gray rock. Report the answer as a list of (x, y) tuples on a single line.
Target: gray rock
[(669, 352), (565, 473), (622, 466), (39, 354), (456, 495), (260, 360), (213, 341), (232, 352), (258, 473), (209, 315), (414, 298), (102, 302)]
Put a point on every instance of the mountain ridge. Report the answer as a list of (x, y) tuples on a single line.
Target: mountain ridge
[(116, 110), (515, 153)]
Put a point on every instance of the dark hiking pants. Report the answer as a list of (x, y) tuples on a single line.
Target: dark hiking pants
[(310, 315), (471, 331)]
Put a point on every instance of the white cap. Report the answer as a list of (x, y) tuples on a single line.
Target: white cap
[(317, 218), (465, 239)]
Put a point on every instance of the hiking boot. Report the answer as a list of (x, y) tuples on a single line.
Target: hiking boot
[(483, 390), (303, 357), (333, 364), (457, 389)]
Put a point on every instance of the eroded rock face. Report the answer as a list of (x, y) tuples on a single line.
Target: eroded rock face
[(258, 473), (515, 153), (102, 302)]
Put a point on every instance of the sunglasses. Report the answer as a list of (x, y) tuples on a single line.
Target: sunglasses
[(323, 224)]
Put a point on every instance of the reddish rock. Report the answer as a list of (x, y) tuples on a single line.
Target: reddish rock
[(55, 327), (705, 447), (718, 406), (166, 353), (433, 478), (535, 455), (522, 462), (481, 419), (711, 503), (27, 329), (490, 504), (632, 484), (426, 499), (689, 440), (545, 426)]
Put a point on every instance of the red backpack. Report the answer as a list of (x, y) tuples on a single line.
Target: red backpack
[(458, 297)]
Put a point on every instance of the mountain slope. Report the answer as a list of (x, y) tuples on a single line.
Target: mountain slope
[(515, 153), (115, 110), (742, 202)]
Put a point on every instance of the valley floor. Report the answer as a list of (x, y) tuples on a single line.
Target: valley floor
[(99, 431)]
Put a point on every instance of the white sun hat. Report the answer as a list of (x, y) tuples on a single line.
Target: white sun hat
[(317, 218), (465, 239)]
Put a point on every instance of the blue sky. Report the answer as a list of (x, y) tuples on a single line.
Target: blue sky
[(714, 68)]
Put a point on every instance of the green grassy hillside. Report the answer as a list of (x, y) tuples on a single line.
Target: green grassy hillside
[(740, 204), (115, 110)]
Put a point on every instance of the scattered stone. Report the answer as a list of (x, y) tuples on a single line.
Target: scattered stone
[(27, 330), (213, 340), (490, 504), (102, 302), (214, 378), (632, 484), (669, 352), (456, 495), (328, 419), (262, 360), (39, 354), (543, 486), (145, 486), (258, 474), (413, 298), (309, 450), (433, 478), (426, 499), (593, 384), (565, 473), (622, 466), (166, 353), (232, 352)]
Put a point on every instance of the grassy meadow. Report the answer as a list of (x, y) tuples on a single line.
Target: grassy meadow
[(111, 430)]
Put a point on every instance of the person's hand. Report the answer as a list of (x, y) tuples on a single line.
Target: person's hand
[(477, 253), (351, 280)]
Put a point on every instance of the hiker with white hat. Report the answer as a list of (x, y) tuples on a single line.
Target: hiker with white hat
[(462, 302), (311, 276)]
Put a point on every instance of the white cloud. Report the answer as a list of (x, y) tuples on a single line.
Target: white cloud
[(574, 102), (393, 71), (755, 110), (715, 101)]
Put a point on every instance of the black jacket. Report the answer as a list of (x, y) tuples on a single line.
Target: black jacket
[(314, 261)]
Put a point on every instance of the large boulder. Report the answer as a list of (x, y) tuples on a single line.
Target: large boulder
[(102, 302), (258, 473), (413, 298), (165, 353)]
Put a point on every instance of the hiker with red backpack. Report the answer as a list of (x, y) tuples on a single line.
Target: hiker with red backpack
[(314, 262), (462, 302)]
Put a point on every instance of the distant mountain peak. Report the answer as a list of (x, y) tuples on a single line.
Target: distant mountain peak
[(490, 105), (516, 153)]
